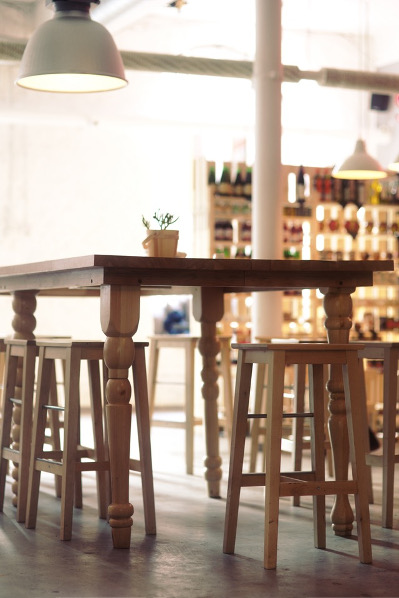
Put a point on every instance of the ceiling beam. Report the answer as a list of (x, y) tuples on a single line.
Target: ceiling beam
[(191, 65)]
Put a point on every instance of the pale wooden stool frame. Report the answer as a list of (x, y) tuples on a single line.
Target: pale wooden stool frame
[(18, 371), (312, 483), (17, 406), (387, 457), (189, 344), (67, 463)]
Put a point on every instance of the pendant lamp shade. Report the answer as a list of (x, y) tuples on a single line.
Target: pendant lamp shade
[(394, 166), (359, 166), (72, 54)]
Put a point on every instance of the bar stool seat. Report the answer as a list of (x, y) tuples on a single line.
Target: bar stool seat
[(312, 483), (388, 456), (188, 343), (67, 462)]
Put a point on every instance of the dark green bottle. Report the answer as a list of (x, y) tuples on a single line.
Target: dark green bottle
[(211, 176), (238, 184), (248, 183), (225, 186)]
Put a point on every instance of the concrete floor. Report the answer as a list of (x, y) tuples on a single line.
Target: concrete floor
[(185, 559)]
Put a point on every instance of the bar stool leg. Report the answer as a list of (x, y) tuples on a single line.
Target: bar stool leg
[(143, 429), (55, 426), (11, 366), (316, 406), (78, 490), (389, 430), (362, 382), (330, 464), (71, 425), (2, 370), (152, 372), (28, 378), (243, 385), (298, 423), (355, 405), (189, 406), (227, 383), (256, 424), (38, 435), (102, 477), (274, 426)]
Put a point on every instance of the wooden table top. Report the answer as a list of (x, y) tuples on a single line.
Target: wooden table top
[(232, 275)]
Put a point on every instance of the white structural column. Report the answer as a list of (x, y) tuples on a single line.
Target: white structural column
[(266, 220)]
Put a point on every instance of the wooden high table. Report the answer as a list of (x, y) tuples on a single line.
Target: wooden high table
[(121, 280)]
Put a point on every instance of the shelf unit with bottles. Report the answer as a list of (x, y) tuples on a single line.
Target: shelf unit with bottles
[(300, 308), (354, 220), (334, 220), (230, 213), (230, 236)]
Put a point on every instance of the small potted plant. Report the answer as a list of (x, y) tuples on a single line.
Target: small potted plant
[(162, 242)]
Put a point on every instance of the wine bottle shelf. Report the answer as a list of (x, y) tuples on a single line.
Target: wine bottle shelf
[(335, 220)]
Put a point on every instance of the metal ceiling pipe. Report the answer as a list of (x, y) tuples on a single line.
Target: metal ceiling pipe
[(241, 69), (348, 79)]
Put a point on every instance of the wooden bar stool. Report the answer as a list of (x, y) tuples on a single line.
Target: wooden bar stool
[(67, 462), (21, 383), (312, 483), (16, 429), (188, 343), (388, 455)]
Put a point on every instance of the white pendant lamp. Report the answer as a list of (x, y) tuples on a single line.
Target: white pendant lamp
[(71, 53), (359, 166), (394, 166)]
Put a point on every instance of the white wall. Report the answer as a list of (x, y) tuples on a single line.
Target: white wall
[(73, 185)]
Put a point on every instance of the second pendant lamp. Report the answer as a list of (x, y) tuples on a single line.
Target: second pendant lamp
[(359, 166)]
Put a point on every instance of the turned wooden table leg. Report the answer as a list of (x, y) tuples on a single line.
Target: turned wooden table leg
[(338, 309), (23, 323), (120, 310), (208, 307)]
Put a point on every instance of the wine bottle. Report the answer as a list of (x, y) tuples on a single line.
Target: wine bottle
[(228, 231), (225, 186), (317, 181), (327, 185), (248, 184), (219, 231), (300, 186), (211, 176), (238, 184)]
